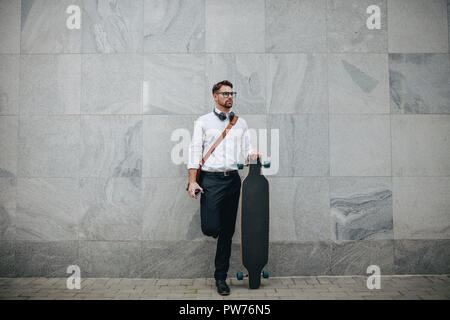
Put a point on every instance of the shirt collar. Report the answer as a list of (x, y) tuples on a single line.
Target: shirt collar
[(218, 111)]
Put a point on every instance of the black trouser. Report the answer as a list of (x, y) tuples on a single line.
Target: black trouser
[(218, 210)]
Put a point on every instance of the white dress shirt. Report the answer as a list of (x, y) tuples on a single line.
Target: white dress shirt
[(207, 129)]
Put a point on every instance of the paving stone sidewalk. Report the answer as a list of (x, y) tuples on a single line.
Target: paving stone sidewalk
[(416, 287)]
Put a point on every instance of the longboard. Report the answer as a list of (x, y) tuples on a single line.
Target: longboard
[(254, 223)]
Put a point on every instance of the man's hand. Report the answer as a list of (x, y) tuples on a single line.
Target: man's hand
[(192, 187), (254, 155)]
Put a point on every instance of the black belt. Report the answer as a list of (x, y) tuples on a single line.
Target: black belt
[(220, 173)]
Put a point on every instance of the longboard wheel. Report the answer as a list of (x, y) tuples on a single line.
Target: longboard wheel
[(265, 274), (266, 164), (240, 166), (254, 280), (239, 276)]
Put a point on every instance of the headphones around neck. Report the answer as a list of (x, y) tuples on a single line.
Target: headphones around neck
[(222, 116)]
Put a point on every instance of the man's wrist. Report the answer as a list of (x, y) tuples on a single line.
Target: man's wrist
[(192, 176)]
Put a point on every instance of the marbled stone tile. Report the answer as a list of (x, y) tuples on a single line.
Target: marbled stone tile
[(235, 26), (296, 26), (358, 83), (347, 26), (409, 33), (110, 259), (422, 256), (50, 84), (48, 209), (111, 83), (350, 257), (52, 210), (9, 82), (174, 84), (45, 259), (49, 146), (353, 257), (7, 259), (9, 127), (178, 259), (44, 29), (422, 207), (361, 208), (169, 214), (297, 83), (8, 202), (419, 83), (9, 26), (111, 208), (183, 259), (112, 26), (360, 145), (298, 258), (166, 145), (299, 209), (303, 144), (259, 132), (247, 74), (382, 255), (174, 26), (420, 145), (111, 146)]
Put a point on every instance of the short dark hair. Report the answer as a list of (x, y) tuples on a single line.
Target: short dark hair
[(217, 86)]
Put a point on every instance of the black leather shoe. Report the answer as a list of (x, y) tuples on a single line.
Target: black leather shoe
[(222, 287)]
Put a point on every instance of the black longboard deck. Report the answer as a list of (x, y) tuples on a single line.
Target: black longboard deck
[(255, 223)]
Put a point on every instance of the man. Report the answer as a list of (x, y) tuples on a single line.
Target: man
[(219, 181)]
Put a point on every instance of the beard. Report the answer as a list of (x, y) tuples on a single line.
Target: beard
[(227, 105)]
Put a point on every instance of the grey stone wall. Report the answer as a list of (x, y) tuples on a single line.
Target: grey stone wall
[(86, 117)]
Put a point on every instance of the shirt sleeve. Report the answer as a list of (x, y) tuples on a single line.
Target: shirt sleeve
[(196, 146), (246, 145)]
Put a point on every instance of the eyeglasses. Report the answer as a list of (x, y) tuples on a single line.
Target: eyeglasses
[(227, 94)]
